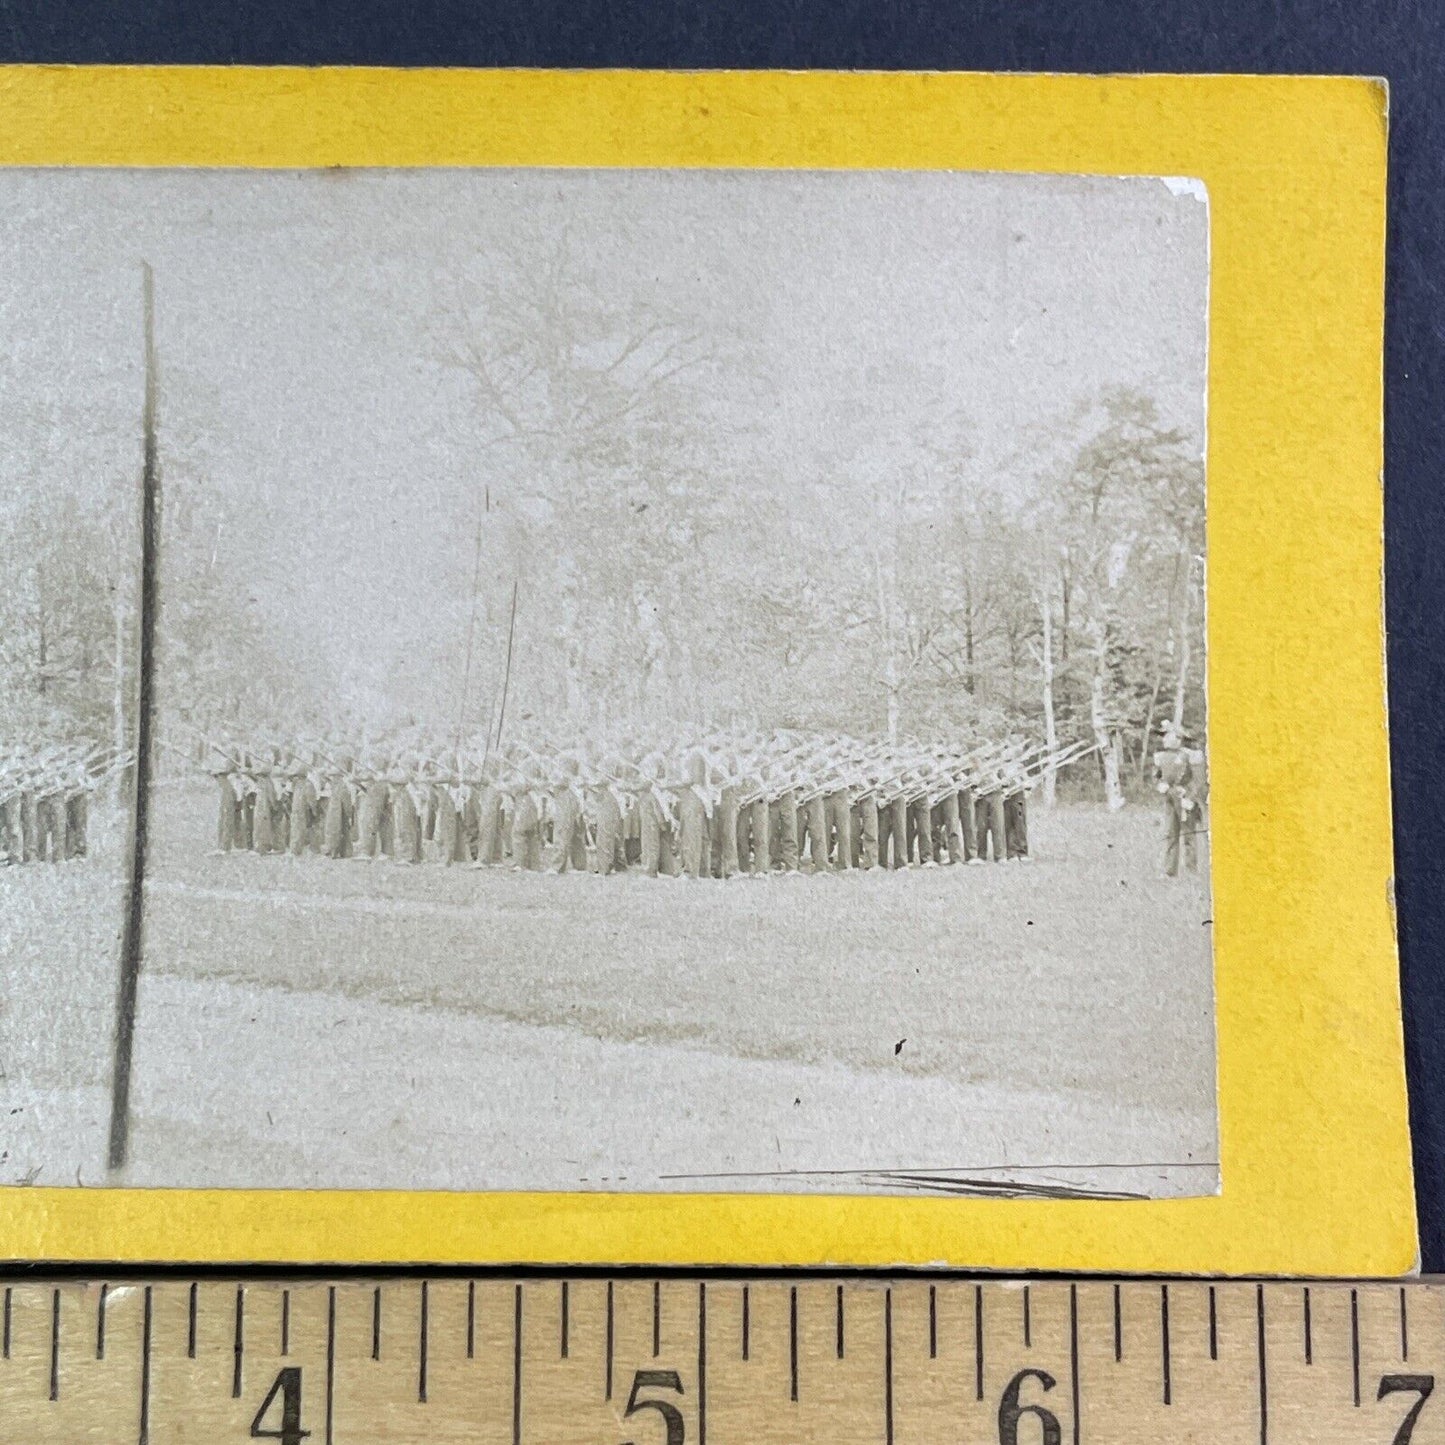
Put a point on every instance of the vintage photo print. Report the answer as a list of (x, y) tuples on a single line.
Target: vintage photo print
[(642, 680)]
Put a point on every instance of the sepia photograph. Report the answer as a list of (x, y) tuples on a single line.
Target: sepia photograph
[(642, 680)]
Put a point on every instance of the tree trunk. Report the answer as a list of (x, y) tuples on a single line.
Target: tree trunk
[(1182, 682), (1159, 649), (1046, 667), (1105, 734), (1066, 587)]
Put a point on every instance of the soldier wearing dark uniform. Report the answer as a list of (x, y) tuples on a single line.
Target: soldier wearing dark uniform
[(893, 823), (838, 804), (77, 813), (228, 802), (1174, 780), (50, 821), (402, 799), (339, 820), (264, 808), (446, 821), (783, 822), (26, 811), (371, 796), (865, 825), (725, 820), (989, 822), (694, 820), (920, 823), (755, 855), (526, 794), (10, 819), (949, 822), (656, 824), (569, 828), (303, 805), (813, 828), (606, 809), (968, 819), (487, 804), (1016, 825)]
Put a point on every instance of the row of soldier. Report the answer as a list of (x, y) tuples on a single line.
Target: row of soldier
[(45, 792), (723, 807)]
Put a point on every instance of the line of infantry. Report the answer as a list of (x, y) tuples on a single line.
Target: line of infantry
[(45, 793), (725, 806)]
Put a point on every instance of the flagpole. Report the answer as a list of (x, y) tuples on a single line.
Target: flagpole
[(507, 671)]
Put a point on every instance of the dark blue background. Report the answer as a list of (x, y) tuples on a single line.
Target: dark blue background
[(1402, 41)]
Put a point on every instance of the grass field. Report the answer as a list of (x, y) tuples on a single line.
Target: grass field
[(349, 1023)]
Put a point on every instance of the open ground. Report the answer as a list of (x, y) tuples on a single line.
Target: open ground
[(309, 1022)]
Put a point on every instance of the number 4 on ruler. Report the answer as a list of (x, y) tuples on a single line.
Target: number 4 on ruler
[(287, 1385)]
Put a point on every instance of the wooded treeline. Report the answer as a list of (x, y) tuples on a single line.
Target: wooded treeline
[(665, 577), (669, 573)]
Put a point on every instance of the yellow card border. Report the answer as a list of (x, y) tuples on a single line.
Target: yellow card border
[(1314, 1138)]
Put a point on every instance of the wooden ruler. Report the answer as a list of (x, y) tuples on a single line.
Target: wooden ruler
[(719, 1360)]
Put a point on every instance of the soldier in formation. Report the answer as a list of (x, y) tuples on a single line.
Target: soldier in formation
[(45, 793), (721, 807)]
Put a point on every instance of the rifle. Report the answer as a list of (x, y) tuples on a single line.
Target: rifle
[(1060, 758)]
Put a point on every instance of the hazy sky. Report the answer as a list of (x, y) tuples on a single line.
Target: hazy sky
[(299, 316)]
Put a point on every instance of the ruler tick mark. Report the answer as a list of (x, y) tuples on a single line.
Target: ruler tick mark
[(565, 1311), (1309, 1333), (1028, 1322), (517, 1366), (888, 1365), (376, 1323), (978, 1341), (472, 1317), (702, 1362), (144, 1432), (100, 1323), (656, 1318), (1404, 1328), (745, 1322), (55, 1344), (793, 1343), (330, 1358), (1355, 1343), (1118, 1326), (609, 1340), (285, 1322), (191, 1321), (5, 1352), (421, 1347), (1164, 1338), (1213, 1327), (932, 1322), (840, 1322), (240, 1342), (1263, 1369), (1074, 1355)]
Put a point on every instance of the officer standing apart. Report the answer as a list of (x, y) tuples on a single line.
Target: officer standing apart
[(1175, 780)]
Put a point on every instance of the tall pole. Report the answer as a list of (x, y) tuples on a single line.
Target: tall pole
[(130, 948), (507, 671)]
